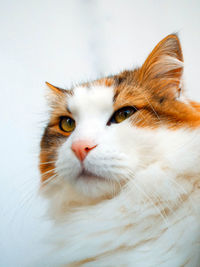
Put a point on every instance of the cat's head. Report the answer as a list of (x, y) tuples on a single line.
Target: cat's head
[(101, 133)]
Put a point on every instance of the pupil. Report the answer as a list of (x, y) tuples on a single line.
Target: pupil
[(70, 122), (126, 113)]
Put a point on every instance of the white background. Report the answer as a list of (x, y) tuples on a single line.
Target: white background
[(64, 42)]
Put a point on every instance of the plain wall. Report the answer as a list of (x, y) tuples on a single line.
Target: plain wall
[(64, 42)]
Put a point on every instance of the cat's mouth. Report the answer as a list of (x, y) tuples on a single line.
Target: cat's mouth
[(87, 175)]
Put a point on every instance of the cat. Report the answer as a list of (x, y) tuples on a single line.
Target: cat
[(120, 168)]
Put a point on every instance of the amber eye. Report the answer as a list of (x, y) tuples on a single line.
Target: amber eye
[(67, 124), (122, 114)]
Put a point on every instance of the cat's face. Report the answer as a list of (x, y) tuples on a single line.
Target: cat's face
[(99, 154), (102, 133)]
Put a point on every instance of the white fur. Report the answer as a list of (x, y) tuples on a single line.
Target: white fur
[(163, 172), (167, 63)]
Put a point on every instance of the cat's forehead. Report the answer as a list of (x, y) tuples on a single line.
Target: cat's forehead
[(91, 97)]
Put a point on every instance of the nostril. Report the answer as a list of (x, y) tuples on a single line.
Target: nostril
[(87, 148)]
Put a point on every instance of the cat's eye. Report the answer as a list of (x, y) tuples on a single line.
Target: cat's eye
[(67, 124), (122, 114)]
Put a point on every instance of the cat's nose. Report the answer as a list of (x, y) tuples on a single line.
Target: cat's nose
[(82, 147)]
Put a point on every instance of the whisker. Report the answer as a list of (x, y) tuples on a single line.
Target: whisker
[(53, 169), (152, 108), (49, 179), (151, 201), (130, 179), (47, 162)]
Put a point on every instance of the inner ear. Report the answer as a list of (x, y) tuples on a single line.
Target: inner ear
[(163, 68), (166, 58)]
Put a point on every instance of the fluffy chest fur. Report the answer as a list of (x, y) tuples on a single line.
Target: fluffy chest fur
[(120, 168), (154, 221)]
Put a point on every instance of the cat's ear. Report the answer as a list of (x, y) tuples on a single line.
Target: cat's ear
[(164, 66), (55, 96), (55, 90)]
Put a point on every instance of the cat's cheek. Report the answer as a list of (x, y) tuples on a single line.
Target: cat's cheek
[(128, 141), (67, 165)]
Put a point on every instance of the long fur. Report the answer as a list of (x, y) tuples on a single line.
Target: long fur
[(140, 203)]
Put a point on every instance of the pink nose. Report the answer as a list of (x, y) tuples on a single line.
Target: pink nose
[(82, 148)]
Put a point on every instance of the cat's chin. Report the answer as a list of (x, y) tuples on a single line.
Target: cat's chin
[(89, 176), (94, 186)]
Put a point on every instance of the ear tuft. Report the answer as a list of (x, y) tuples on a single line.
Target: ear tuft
[(165, 61)]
